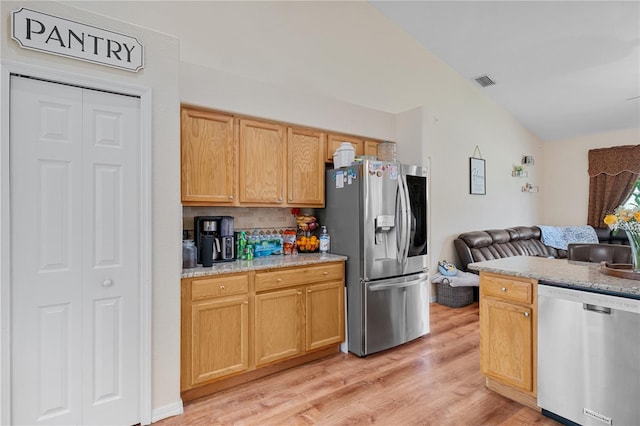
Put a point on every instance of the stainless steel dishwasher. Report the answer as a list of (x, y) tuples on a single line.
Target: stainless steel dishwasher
[(588, 356)]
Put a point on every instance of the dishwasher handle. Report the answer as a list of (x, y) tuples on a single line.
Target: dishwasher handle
[(596, 308)]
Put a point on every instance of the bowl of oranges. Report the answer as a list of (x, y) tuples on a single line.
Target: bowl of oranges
[(307, 242)]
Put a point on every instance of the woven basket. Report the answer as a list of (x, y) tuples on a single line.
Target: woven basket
[(454, 297)]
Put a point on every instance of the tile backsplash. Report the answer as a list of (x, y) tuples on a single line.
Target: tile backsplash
[(245, 218)]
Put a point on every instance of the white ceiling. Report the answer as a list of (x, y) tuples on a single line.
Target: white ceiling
[(562, 68)]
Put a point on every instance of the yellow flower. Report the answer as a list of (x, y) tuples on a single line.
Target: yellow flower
[(610, 219), (637, 216), (625, 215)]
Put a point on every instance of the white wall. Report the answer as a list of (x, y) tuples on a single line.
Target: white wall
[(566, 182), (161, 74)]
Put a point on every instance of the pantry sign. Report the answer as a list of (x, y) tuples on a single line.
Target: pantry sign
[(58, 36)]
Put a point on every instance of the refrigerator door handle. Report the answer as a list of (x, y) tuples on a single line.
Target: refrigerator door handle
[(403, 249), (397, 282)]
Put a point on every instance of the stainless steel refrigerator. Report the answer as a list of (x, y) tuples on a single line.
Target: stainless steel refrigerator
[(376, 214)]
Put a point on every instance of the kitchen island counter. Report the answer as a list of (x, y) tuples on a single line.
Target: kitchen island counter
[(267, 262), (576, 275)]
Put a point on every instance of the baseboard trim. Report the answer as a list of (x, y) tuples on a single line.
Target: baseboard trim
[(170, 410)]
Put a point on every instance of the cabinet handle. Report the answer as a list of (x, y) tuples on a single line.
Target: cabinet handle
[(526, 314), (221, 287), (246, 302), (503, 289)]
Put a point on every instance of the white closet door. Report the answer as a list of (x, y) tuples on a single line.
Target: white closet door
[(110, 278), (75, 249)]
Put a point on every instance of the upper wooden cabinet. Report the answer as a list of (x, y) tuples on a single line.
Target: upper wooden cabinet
[(207, 157), (262, 163), (371, 148), (334, 141), (305, 159), (230, 160)]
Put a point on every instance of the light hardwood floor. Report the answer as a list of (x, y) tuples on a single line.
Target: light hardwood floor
[(434, 380)]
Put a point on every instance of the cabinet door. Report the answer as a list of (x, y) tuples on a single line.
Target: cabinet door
[(207, 157), (305, 182), (371, 148), (220, 338), (324, 315), (334, 141), (262, 169), (506, 346), (278, 325)]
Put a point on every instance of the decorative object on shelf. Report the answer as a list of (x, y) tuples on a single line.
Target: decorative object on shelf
[(527, 159), (530, 188), (627, 219), (477, 178), (519, 171)]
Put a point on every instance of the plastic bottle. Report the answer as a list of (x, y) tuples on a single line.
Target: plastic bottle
[(325, 241)]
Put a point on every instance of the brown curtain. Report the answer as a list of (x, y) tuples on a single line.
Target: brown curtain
[(612, 175)]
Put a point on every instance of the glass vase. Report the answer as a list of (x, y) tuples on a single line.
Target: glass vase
[(634, 242)]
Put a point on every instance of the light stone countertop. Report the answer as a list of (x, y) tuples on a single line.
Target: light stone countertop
[(564, 273), (266, 262)]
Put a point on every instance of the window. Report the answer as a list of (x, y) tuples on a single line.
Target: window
[(634, 198)]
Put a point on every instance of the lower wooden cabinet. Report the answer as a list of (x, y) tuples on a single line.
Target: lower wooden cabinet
[(238, 327), (324, 315), (220, 338), (508, 335), (278, 324)]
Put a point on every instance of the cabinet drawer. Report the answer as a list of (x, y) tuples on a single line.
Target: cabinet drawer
[(507, 288), (219, 286), (295, 276)]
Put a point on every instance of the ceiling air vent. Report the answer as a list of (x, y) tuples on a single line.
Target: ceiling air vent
[(485, 81)]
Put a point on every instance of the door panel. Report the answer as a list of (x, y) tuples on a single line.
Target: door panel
[(54, 390), (46, 203), (110, 273), (74, 168), (53, 201)]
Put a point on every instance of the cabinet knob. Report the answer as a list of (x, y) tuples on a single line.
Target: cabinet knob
[(231, 197), (308, 290), (503, 289), (246, 302), (107, 283), (279, 280), (325, 273), (299, 292), (221, 287), (526, 314), (280, 199)]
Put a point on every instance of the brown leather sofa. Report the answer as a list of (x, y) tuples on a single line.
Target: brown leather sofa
[(606, 236), (477, 246), (610, 253)]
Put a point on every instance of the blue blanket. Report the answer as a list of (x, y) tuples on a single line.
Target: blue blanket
[(560, 237)]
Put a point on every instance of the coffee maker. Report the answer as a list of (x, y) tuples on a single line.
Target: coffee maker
[(214, 239)]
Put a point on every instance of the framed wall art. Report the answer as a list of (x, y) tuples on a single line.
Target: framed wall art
[(477, 178)]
